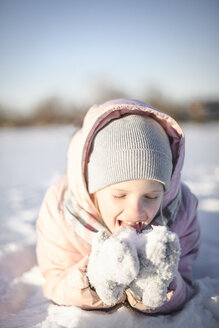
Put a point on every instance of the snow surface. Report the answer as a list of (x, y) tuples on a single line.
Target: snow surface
[(30, 160)]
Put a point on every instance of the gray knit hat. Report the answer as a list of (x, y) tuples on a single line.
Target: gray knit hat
[(129, 148)]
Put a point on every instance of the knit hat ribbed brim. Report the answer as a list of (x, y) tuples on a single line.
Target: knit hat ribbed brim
[(129, 148)]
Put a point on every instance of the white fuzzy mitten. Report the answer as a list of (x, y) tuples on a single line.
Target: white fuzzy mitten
[(113, 264), (158, 252)]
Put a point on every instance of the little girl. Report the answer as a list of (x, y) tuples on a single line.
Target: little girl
[(122, 181)]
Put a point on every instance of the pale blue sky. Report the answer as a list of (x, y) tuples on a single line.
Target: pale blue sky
[(67, 48)]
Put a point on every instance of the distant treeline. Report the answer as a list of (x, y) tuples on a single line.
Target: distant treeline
[(53, 111)]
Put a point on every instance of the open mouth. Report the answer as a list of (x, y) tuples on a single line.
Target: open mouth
[(137, 225)]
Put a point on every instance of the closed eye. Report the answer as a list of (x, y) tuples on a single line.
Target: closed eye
[(119, 196), (150, 197)]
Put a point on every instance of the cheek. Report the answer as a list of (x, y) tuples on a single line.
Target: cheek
[(108, 210), (153, 209)]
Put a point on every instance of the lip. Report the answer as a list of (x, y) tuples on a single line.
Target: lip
[(137, 225)]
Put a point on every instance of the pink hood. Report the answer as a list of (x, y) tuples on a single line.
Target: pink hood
[(95, 119)]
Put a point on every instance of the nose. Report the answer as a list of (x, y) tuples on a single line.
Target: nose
[(135, 211)]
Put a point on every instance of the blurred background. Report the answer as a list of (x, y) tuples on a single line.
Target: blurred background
[(59, 57)]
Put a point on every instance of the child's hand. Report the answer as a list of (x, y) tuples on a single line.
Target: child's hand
[(158, 265), (112, 265)]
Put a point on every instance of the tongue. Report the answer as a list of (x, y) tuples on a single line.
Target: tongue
[(136, 226)]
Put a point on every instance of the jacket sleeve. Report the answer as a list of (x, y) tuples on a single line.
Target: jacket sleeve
[(188, 230), (61, 263)]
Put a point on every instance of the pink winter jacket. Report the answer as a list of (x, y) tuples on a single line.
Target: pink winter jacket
[(63, 249)]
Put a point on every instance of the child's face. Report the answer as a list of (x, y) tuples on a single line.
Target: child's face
[(131, 203)]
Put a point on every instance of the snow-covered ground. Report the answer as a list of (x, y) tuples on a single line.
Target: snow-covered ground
[(30, 160)]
